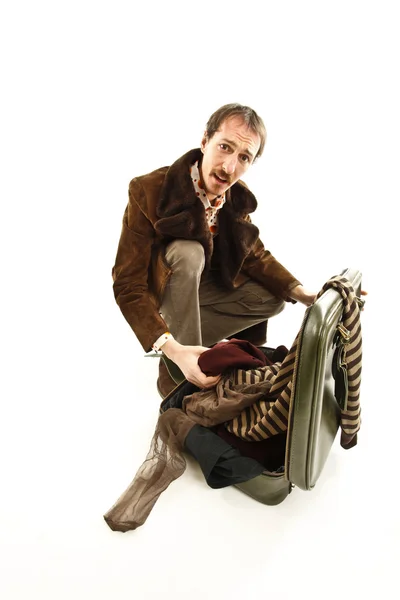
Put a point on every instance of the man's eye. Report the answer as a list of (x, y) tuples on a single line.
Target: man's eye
[(223, 147), (245, 158)]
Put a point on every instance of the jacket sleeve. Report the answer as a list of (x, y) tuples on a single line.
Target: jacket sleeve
[(130, 274), (264, 268)]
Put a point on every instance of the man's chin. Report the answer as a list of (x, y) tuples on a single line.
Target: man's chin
[(217, 187)]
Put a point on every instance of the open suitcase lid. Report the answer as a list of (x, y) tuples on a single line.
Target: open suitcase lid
[(315, 413)]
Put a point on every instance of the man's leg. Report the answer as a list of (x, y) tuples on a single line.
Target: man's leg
[(256, 334), (180, 305), (199, 311), (225, 312)]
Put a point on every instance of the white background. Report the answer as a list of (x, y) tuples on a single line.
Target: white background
[(92, 95)]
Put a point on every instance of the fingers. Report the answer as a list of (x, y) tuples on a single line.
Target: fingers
[(187, 361), (208, 382), (202, 381)]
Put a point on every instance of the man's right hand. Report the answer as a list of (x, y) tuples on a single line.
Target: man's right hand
[(186, 358)]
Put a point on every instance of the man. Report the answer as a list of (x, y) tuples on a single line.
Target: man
[(190, 268)]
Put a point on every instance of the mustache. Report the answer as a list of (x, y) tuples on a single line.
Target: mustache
[(224, 176)]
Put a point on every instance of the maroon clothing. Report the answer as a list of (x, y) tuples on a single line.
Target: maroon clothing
[(235, 354)]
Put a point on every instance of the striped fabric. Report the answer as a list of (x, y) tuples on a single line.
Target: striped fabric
[(270, 416)]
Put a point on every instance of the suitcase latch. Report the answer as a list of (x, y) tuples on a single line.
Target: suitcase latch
[(345, 333)]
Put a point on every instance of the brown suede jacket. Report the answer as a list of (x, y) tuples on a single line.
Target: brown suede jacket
[(162, 207)]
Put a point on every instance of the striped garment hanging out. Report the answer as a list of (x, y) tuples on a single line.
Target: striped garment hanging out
[(269, 417)]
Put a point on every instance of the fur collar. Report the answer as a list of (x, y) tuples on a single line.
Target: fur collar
[(181, 215), (178, 193)]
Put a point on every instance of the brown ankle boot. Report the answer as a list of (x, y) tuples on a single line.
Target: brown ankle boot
[(165, 383)]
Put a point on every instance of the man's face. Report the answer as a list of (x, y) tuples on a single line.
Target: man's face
[(227, 155)]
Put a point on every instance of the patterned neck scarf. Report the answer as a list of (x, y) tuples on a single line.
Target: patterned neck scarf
[(213, 207)]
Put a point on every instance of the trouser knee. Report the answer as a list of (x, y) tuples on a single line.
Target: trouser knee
[(186, 257), (258, 301), (277, 307)]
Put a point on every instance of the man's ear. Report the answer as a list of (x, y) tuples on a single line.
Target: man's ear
[(204, 141)]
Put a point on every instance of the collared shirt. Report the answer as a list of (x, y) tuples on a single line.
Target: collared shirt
[(211, 208)]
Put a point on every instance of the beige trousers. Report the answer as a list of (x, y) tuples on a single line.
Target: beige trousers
[(199, 310)]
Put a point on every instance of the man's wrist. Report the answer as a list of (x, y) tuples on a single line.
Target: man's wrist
[(172, 348), (295, 292), (159, 343), (302, 295)]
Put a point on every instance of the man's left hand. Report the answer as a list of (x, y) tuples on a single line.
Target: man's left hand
[(302, 295)]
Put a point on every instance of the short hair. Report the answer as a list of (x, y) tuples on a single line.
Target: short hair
[(249, 116)]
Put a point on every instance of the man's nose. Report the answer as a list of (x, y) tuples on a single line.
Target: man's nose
[(229, 165)]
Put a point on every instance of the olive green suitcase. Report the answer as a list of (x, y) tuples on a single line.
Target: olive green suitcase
[(315, 414)]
